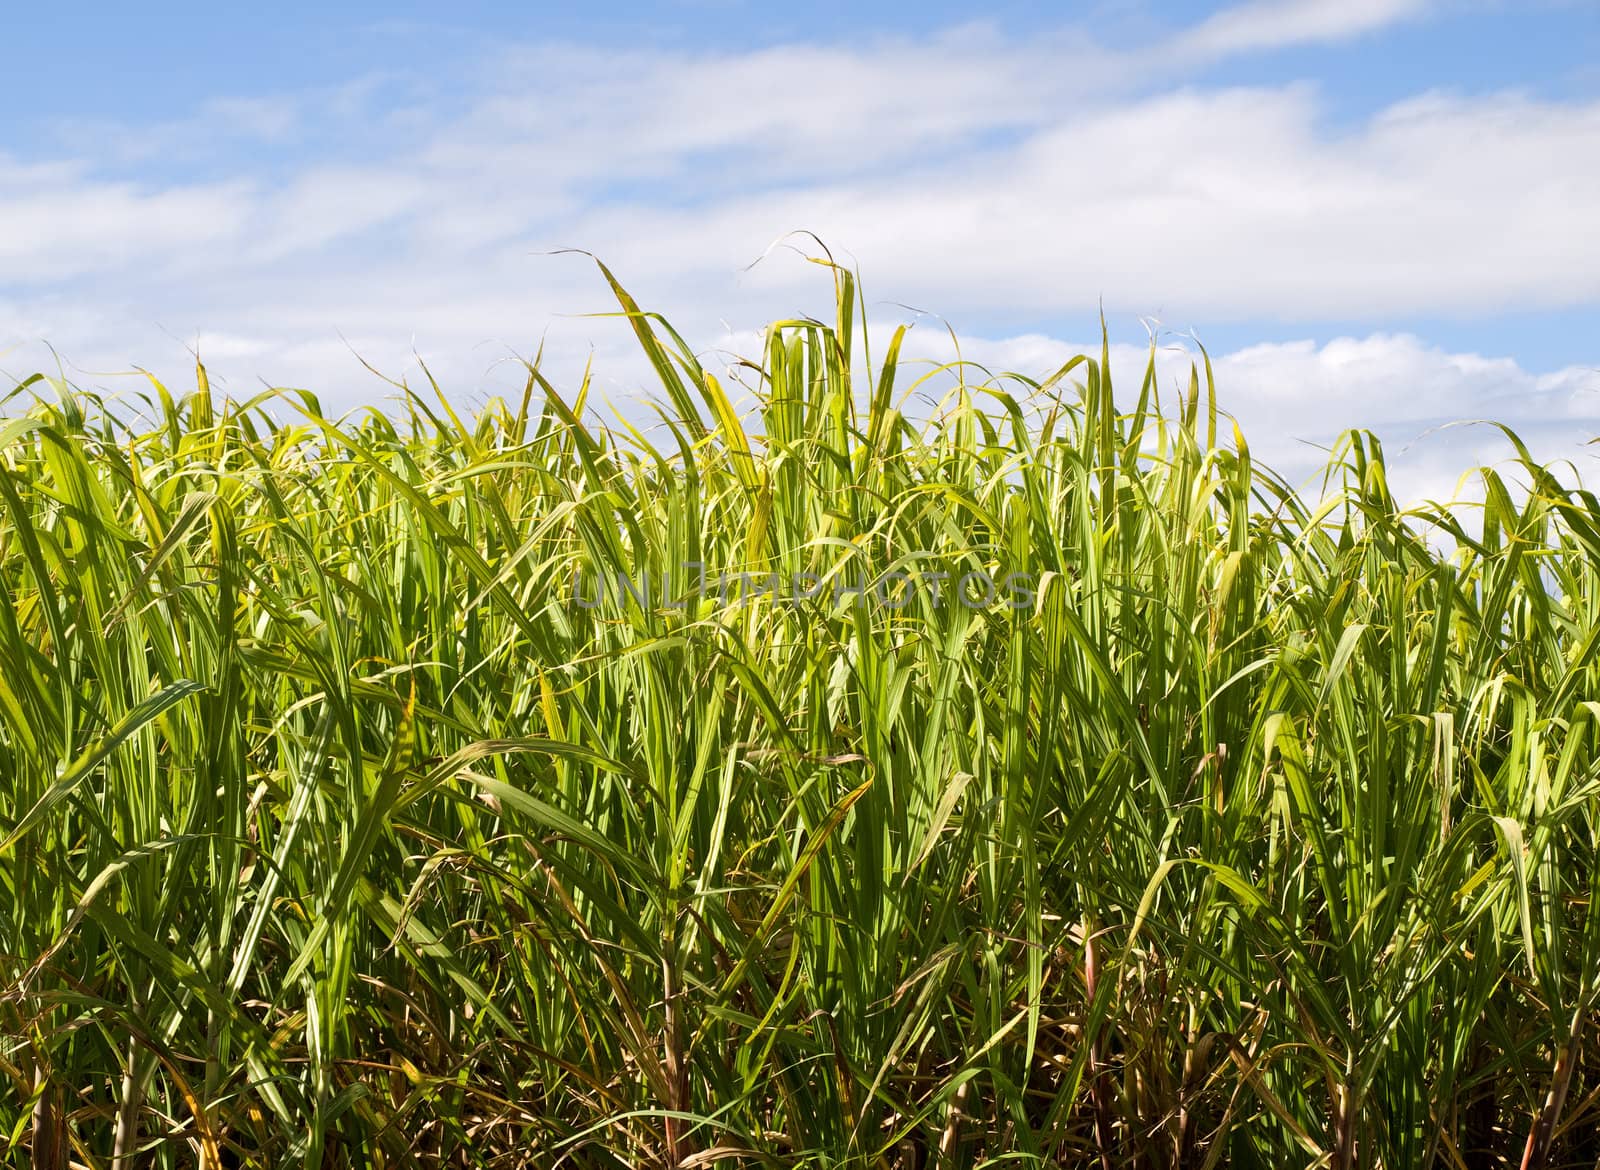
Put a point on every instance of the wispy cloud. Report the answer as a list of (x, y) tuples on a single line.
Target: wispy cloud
[(1277, 24)]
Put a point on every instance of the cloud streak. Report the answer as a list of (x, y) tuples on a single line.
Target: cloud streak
[(1277, 24)]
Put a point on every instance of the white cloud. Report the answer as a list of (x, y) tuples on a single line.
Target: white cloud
[(1209, 206), (963, 169), (804, 109), (1272, 24), (329, 205), (53, 231)]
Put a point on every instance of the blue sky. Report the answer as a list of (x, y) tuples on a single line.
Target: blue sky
[(1373, 212)]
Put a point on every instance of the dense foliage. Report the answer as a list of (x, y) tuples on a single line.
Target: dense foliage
[(340, 827)]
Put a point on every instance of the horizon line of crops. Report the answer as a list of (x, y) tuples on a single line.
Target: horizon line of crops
[(335, 831)]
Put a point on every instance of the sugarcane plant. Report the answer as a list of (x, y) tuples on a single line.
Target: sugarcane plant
[(846, 763)]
